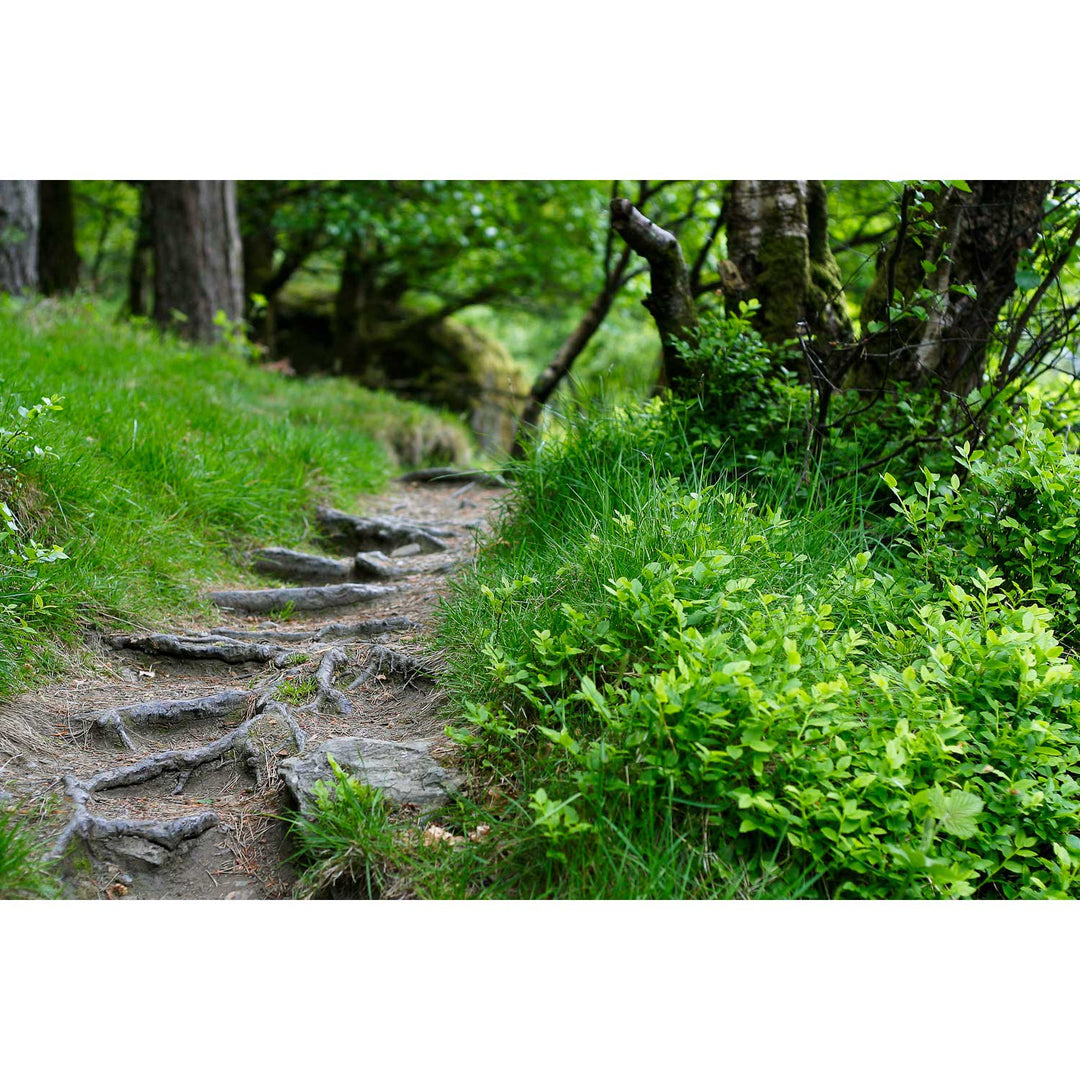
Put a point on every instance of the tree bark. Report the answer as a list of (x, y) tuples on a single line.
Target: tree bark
[(569, 351), (58, 260), (141, 252), (778, 240), (671, 301), (968, 242), (19, 223), (198, 267)]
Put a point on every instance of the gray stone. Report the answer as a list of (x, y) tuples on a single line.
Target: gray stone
[(135, 849), (406, 551), (403, 771)]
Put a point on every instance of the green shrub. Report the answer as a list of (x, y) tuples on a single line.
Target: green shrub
[(1017, 509), (685, 694)]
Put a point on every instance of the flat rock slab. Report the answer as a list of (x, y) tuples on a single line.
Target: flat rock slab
[(299, 566), (376, 533), (312, 598), (404, 771)]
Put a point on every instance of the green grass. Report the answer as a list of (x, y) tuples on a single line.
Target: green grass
[(170, 461), (665, 689), (22, 874), (593, 508)]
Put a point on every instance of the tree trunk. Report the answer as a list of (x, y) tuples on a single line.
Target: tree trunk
[(198, 268), (569, 351), (671, 302), (19, 223), (352, 304), (778, 240), (139, 271), (58, 260), (970, 242)]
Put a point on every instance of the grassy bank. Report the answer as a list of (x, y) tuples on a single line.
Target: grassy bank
[(162, 463), (666, 688)]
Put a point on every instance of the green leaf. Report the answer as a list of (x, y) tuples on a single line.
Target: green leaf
[(959, 810), (960, 185), (1027, 278)]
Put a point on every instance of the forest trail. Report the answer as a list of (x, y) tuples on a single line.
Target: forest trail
[(159, 775)]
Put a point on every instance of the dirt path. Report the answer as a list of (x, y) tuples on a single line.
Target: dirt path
[(156, 776)]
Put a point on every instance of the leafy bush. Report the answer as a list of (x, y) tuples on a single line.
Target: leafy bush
[(747, 696), (748, 411), (1017, 508)]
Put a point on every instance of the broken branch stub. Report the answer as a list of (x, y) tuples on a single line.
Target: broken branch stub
[(671, 301)]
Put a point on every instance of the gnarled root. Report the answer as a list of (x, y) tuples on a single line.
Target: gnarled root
[(384, 661)]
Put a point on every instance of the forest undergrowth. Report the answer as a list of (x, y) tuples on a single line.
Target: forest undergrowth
[(673, 682)]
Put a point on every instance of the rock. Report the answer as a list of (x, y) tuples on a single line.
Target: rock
[(405, 551), (136, 849), (405, 771), (299, 566)]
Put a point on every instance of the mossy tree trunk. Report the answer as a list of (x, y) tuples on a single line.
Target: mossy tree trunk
[(949, 274), (198, 267), (778, 240), (19, 224), (58, 260)]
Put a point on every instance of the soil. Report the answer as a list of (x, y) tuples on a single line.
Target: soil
[(129, 840)]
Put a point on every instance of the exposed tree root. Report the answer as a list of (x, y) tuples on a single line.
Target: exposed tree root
[(169, 713), (169, 833), (299, 566), (205, 647), (382, 534), (330, 632), (450, 476), (312, 598), (328, 697), (384, 661), (279, 708)]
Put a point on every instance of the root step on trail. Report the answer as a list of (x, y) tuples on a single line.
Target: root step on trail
[(312, 598), (379, 533), (181, 796)]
